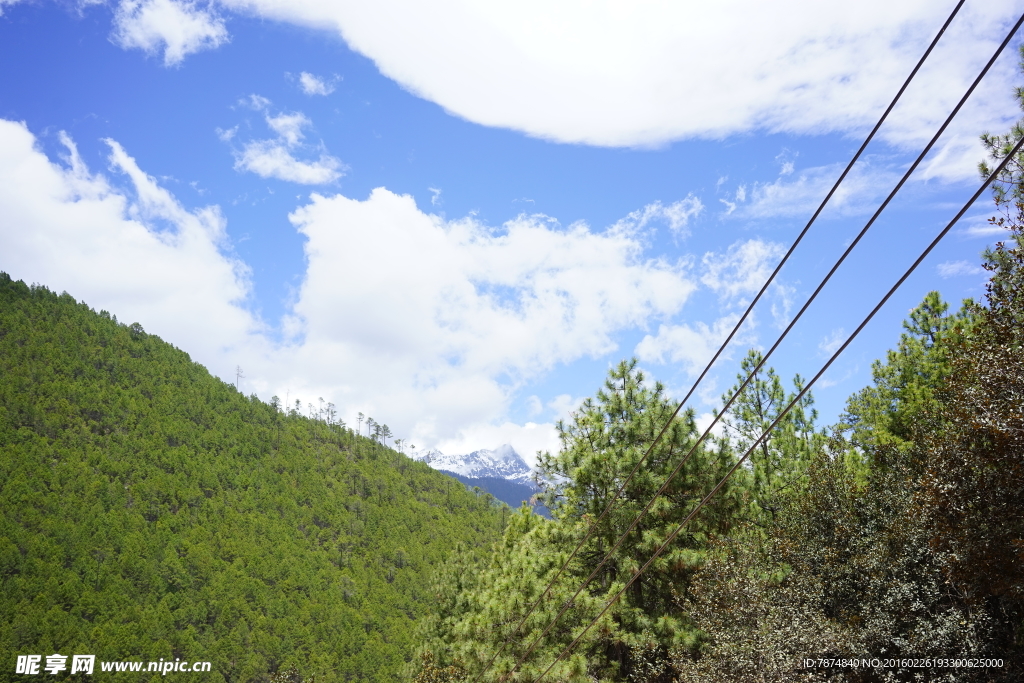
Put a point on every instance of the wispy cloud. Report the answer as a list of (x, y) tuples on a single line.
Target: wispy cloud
[(798, 193), (254, 101), (693, 346), (178, 28), (954, 268), (742, 269), (275, 158), (314, 85), (289, 127), (833, 341), (563, 404), (7, 3), (739, 197), (787, 161), (676, 215), (981, 227)]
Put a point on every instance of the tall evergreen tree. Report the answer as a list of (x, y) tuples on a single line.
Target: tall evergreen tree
[(779, 461), (601, 444), (888, 411)]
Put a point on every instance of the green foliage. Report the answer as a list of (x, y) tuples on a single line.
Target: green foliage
[(1007, 191), (919, 553), (974, 484), (779, 462), (482, 602), (888, 412), (149, 510), (430, 673)]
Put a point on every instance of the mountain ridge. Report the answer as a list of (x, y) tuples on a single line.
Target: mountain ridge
[(502, 462)]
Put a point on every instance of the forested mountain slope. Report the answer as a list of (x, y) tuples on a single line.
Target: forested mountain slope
[(148, 510)]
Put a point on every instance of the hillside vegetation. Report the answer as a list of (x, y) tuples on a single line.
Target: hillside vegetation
[(149, 510)]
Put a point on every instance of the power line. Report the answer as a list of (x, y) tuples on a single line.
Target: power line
[(765, 358), (792, 403), (728, 339)]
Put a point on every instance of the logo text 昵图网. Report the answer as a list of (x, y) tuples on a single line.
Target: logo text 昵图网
[(33, 665)]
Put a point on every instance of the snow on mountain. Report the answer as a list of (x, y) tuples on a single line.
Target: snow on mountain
[(501, 462)]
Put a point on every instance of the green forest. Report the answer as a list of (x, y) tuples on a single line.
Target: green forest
[(896, 534), (149, 510)]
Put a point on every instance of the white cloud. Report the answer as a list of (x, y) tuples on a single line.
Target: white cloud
[(953, 268), (638, 72), (693, 346), (830, 380), (535, 405), (980, 226), (676, 215), (435, 337), (742, 270), (800, 193), (787, 161), (254, 101), (7, 3), (314, 85), (833, 341), (740, 196), (564, 404), (704, 420), (275, 158), (178, 28), (289, 126), (137, 253), (460, 306)]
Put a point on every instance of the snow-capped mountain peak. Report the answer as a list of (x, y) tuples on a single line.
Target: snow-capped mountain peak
[(501, 462)]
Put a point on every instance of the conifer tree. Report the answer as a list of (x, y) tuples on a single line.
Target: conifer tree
[(779, 461), (888, 411), (601, 443)]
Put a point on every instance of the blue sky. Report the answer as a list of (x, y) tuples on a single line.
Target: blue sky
[(456, 218)]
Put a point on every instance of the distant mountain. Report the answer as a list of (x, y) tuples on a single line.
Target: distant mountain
[(513, 493), (500, 472), (501, 463)]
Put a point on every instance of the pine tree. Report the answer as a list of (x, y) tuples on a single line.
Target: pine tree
[(601, 443), (779, 461)]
